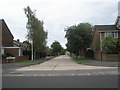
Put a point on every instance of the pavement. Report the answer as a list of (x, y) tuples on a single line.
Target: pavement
[(101, 63), (62, 63), (16, 65)]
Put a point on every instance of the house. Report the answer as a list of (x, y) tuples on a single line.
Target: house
[(6, 42), (100, 32), (17, 43)]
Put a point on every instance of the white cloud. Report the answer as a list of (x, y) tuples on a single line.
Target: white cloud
[(57, 15)]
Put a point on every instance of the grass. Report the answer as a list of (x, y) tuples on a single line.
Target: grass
[(78, 60)]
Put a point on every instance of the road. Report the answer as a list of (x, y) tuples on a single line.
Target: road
[(61, 72)]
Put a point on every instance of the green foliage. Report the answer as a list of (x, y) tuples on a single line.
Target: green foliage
[(110, 45), (62, 52), (78, 37), (9, 54), (36, 33), (56, 48), (78, 60), (48, 51), (4, 56)]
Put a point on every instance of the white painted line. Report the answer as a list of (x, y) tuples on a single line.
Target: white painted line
[(49, 75), (73, 74)]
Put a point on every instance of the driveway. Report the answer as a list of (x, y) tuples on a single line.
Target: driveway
[(62, 63)]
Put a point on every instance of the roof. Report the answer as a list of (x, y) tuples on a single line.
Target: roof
[(105, 27), (6, 26), (18, 43)]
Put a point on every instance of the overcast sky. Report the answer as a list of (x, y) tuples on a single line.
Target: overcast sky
[(57, 15)]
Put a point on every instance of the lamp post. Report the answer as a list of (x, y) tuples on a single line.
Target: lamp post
[(32, 50)]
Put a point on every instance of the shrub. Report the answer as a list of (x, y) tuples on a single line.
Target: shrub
[(4, 56), (9, 54), (110, 45)]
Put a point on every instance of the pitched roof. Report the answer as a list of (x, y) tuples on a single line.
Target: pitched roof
[(105, 27), (3, 22), (18, 43)]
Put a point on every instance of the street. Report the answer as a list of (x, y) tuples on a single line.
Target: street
[(61, 72)]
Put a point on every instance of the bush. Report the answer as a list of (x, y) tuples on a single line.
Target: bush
[(110, 45), (4, 56), (9, 55)]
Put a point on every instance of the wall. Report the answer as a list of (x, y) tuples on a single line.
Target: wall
[(19, 58), (119, 35), (96, 41), (13, 51), (0, 34), (107, 57)]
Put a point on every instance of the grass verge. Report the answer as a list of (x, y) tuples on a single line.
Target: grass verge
[(78, 60)]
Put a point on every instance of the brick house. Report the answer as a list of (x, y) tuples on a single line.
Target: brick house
[(101, 31), (6, 42)]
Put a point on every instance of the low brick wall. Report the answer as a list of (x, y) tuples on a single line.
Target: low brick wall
[(108, 57), (19, 58)]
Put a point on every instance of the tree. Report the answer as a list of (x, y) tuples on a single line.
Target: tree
[(36, 34), (110, 45), (48, 51), (78, 37), (56, 48), (62, 52), (27, 45)]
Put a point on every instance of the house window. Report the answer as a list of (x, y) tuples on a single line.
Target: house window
[(113, 34), (118, 24)]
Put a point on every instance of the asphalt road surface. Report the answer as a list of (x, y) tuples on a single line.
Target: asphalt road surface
[(61, 72)]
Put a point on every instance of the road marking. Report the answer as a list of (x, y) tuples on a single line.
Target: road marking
[(65, 74), (73, 74)]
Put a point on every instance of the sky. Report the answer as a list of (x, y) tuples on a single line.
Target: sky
[(57, 15)]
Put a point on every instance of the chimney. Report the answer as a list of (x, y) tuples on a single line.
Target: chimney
[(18, 40)]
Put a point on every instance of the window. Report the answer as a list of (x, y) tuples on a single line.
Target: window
[(113, 34), (118, 24)]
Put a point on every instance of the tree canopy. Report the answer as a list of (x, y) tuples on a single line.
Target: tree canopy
[(56, 48), (36, 33), (78, 37)]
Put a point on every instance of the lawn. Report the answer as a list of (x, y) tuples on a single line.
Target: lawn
[(79, 60)]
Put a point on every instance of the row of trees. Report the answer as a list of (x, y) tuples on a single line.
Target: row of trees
[(36, 34), (55, 49), (79, 37)]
